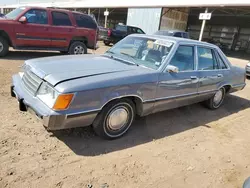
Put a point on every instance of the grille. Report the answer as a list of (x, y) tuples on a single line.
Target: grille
[(31, 82)]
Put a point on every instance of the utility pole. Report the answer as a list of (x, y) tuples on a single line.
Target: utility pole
[(203, 26), (106, 13)]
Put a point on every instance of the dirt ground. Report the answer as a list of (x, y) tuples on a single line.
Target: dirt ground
[(185, 147)]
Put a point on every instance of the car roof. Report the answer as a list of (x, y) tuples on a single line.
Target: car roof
[(174, 31), (53, 8), (175, 39)]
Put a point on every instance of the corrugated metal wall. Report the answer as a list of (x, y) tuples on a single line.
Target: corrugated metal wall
[(148, 19)]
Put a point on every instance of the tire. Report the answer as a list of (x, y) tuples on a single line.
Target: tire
[(4, 47), (107, 43), (124, 110), (212, 103), (77, 48)]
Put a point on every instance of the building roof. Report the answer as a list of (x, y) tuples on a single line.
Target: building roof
[(137, 3)]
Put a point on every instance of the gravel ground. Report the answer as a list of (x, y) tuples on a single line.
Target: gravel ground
[(185, 147)]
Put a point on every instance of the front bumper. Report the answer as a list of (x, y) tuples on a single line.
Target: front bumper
[(52, 120)]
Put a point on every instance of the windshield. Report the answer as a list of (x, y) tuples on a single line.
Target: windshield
[(14, 13), (142, 51)]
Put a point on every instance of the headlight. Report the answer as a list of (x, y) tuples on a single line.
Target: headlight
[(52, 98), (248, 65), (47, 94)]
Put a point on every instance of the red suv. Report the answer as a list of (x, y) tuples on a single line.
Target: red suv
[(36, 28)]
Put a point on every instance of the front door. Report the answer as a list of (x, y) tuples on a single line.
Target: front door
[(178, 88), (35, 32)]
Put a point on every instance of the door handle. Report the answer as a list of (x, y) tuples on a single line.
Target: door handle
[(220, 75), (193, 77)]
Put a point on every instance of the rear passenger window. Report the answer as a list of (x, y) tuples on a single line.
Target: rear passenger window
[(221, 62), (184, 58), (61, 19), (85, 21), (178, 35), (206, 59), (139, 31)]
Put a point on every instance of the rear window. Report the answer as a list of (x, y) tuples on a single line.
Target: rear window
[(121, 28), (61, 19), (85, 21)]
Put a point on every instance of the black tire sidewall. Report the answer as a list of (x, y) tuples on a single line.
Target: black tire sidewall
[(100, 126), (212, 99), (107, 43), (5, 47), (75, 44)]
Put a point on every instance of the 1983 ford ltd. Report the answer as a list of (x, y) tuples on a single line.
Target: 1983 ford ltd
[(140, 75)]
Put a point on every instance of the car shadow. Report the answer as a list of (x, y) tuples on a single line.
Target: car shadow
[(82, 141)]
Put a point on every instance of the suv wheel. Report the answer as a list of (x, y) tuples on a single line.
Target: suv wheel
[(115, 119), (77, 48), (4, 47), (107, 43)]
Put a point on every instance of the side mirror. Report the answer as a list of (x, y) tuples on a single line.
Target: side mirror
[(23, 20), (171, 68)]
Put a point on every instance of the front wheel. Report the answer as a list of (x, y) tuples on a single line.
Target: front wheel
[(216, 101), (4, 47), (115, 119), (77, 48), (107, 43)]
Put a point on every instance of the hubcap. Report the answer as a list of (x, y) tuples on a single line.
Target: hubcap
[(1, 47), (79, 50), (218, 97), (117, 118)]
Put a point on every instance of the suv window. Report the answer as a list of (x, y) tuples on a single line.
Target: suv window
[(139, 31), (85, 21), (37, 16), (185, 35), (121, 28), (61, 19), (178, 34), (221, 61), (206, 59), (184, 58)]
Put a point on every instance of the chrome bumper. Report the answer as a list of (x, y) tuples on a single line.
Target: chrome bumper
[(52, 120)]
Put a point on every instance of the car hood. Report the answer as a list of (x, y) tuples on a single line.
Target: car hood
[(63, 68)]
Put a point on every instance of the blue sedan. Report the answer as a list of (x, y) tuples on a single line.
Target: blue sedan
[(140, 75)]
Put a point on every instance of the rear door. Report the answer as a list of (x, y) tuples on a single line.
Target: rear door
[(86, 27), (34, 33), (210, 75), (120, 32), (62, 29)]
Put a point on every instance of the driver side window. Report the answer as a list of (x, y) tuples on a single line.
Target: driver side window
[(37, 16), (183, 58)]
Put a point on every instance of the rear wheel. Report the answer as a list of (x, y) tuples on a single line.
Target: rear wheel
[(107, 43), (77, 48), (4, 47), (216, 101), (115, 119)]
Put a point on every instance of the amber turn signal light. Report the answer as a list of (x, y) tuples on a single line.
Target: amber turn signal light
[(63, 101)]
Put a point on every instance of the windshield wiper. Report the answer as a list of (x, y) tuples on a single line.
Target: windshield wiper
[(131, 58)]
